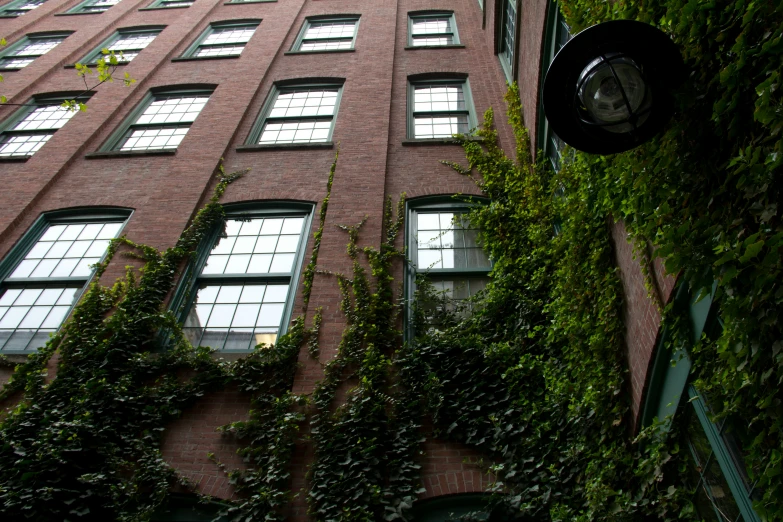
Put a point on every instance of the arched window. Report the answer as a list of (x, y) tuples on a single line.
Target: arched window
[(43, 276)]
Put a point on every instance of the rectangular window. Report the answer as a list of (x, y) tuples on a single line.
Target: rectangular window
[(439, 109), (162, 121), (94, 6), (126, 44), (432, 30), (32, 126), (557, 35), (222, 39), (508, 32), (168, 4), (302, 114), (22, 53), (39, 292), (244, 290), (445, 247), (20, 7), (327, 34)]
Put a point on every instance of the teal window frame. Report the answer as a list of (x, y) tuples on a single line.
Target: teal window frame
[(430, 204), (187, 291), (670, 393), (36, 231), (413, 15), (310, 20), (556, 35), (470, 109), (283, 87), (199, 42), (26, 40), (13, 9), (42, 100), (508, 38), (170, 4), (116, 140), (234, 2), (96, 53), (90, 7)]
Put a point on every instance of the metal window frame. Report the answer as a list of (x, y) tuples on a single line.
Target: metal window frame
[(190, 52), (10, 10), (26, 39), (41, 100), (58, 217), (470, 109), (432, 14), (282, 87), (81, 8), (300, 38), (186, 292), (163, 4), (116, 139), (96, 53), (441, 203)]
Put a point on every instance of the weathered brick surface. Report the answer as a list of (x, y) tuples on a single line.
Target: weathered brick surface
[(164, 192)]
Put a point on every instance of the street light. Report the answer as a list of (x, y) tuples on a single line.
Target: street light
[(609, 88)]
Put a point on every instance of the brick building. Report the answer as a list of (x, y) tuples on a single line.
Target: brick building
[(273, 87)]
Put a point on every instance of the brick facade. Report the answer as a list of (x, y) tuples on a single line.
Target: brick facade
[(165, 191)]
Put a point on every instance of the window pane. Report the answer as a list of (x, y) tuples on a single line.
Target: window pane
[(28, 315), (45, 117), (173, 109), (155, 138), (224, 35), (419, 41), (22, 145), (338, 29), (433, 25), (446, 240), (439, 97), (441, 127), (305, 102)]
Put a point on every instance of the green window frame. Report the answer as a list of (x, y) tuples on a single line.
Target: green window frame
[(222, 39), (444, 248), (170, 4), (127, 43), (507, 41), (556, 36), (722, 488), (160, 122), (327, 34), (297, 114), (432, 29), (240, 290), (93, 6), (25, 50), (32, 125), (45, 273), (439, 107), (19, 7)]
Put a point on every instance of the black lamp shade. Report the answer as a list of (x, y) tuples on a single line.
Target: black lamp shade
[(609, 88)]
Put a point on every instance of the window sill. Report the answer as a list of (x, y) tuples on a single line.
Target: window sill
[(130, 153), (286, 146), (79, 14), (163, 8), (251, 2), (201, 58), (322, 51), (9, 16), (434, 141), (14, 159), (10, 69), (450, 46), (19, 356)]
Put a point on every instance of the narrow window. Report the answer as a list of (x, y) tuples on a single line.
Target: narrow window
[(161, 121), (245, 289), (327, 34), (298, 114), (508, 32), (557, 34), (444, 247), (20, 7), (33, 125), (169, 4), (22, 53), (41, 284), (439, 109), (94, 6), (222, 39), (432, 30)]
